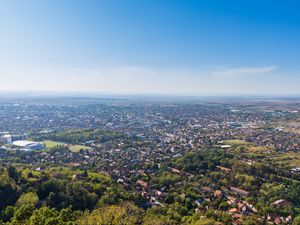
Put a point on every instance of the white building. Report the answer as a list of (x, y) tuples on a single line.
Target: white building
[(7, 138), (29, 145)]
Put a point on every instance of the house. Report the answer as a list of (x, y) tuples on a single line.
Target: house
[(218, 193), (142, 183), (79, 177), (173, 170), (282, 203), (233, 210), (239, 191), (250, 207), (237, 216), (154, 202), (224, 169), (120, 180), (158, 193), (206, 189), (189, 175), (225, 146), (277, 220), (199, 201)]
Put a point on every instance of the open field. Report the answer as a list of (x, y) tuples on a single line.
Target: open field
[(52, 144), (236, 142), (73, 148), (258, 149), (293, 126), (289, 158), (248, 146), (77, 148)]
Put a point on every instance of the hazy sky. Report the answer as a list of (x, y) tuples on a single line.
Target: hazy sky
[(208, 47)]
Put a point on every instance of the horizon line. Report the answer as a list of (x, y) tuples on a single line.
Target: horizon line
[(95, 94)]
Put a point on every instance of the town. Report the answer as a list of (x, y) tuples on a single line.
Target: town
[(142, 147), (173, 112)]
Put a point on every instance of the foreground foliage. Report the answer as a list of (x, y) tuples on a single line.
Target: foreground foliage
[(187, 187)]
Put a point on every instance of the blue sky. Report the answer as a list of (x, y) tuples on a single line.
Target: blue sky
[(183, 47)]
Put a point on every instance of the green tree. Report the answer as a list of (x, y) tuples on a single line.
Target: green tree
[(297, 220), (22, 215), (29, 198), (7, 213), (45, 216), (53, 185), (8, 191), (79, 196), (13, 173), (157, 220), (124, 214)]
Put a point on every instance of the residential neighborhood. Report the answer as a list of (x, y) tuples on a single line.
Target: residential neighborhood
[(142, 147)]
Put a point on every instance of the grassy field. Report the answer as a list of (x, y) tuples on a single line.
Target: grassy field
[(293, 126), (77, 148), (258, 149), (52, 144), (73, 148), (248, 146), (289, 125), (236, 142), (289, 158)]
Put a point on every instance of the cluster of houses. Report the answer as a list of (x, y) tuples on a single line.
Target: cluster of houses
[(184, 126), (237, 207), (153, 133)]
